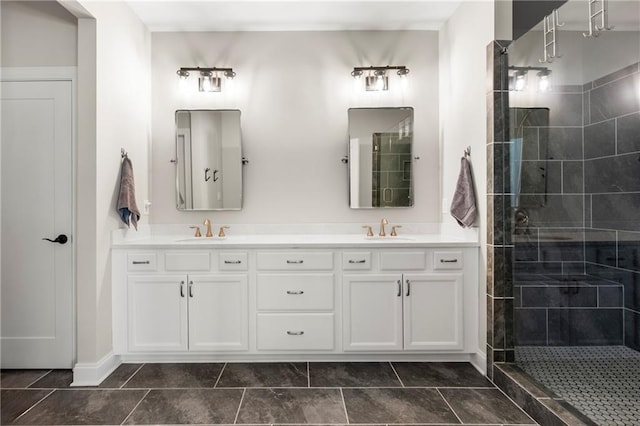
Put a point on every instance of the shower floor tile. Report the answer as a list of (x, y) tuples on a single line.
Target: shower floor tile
[(600, 381)]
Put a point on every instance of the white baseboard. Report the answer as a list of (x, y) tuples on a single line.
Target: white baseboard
[(479, 361), (92, 374)]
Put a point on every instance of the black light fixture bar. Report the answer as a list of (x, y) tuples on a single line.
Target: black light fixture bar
[(512, 67), (214, 69)]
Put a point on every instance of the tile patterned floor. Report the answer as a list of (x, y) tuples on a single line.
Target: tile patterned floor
[(376, 393), (602, 382)]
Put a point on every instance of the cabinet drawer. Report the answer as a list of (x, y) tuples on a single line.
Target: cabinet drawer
[(295, 261), (233, 261), (187, 261), (295, 332), (360, 260), (139, 262), (295, 292), (402, 260), (447, 260)]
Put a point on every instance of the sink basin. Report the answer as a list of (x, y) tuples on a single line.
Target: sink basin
[(389, 239), (200, 240)]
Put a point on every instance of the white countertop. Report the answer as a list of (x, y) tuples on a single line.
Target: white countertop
[(298, 236)]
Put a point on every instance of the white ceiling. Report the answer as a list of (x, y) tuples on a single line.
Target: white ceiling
[(291, 15)]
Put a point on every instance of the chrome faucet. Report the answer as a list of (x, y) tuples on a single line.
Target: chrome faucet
[(382, 224), (207, 223)]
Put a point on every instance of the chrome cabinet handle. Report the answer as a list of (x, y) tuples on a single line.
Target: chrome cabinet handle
[(295, 292), (295, 261), (357, 261), (408, 287), (448, 260), (181, 288), (399, 288), (142, 262), (233, 262), (295, 333), (190, 288)]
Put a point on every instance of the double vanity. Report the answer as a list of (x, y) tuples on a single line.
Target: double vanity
[(318, 293)]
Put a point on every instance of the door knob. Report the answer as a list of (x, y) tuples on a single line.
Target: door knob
[(60, 239)]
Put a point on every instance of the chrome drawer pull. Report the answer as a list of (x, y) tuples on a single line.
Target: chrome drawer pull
[(295, 333), (233, 262), (295, 261), (141, 262), (448, 260), (357, 261)]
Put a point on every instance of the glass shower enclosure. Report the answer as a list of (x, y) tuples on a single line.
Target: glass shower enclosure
[(574, 169)]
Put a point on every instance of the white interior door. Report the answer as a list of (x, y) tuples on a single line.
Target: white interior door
[(37, 275)]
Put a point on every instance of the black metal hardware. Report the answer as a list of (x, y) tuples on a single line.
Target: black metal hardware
[(137, 262), (408, 288), (206, 176), (295, 261), (357, 261), (60, 239), (295, 333), (181, 288), (448, 260), (399, 288), (295, 292)]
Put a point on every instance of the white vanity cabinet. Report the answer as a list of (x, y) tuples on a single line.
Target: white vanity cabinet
[(168, 311), (366, 301), (415, 308), (295, 300)]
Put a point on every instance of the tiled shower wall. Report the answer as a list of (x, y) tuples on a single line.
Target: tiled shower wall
[(577, 260), (612, 187), (581, 188)]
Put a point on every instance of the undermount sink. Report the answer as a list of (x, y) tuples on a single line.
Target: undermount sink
[(201, 240), (389, 239)]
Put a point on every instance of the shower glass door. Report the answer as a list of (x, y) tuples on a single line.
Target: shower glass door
[(575, 179)]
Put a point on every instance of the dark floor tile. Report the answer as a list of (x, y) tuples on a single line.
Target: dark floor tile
[(14, 402), (83, 407), (187, 406), (176, 376), (397, 406), (56, 379), (352, 374), (318, 406), (279, 374), (16, 379), (440, 374), (484, 405), (120, 376)]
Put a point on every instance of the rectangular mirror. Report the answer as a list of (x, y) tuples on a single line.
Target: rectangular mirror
[(209, 160), (380, 157)]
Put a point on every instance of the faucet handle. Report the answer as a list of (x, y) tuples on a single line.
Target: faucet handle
[(369, 230), (221, 233), (197, 228), (393, 230)]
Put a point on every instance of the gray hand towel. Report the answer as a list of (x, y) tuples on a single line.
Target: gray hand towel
[(463, 204), (127, 208)]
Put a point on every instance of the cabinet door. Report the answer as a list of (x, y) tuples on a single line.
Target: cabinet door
[(218, 313), (157, 313), (372, 308), (433, 311)]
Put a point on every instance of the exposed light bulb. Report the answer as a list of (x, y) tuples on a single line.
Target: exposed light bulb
[(521, 81), (544, 85)]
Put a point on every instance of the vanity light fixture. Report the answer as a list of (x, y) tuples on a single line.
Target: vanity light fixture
[(518, 78), (208, 78), (377, 78)]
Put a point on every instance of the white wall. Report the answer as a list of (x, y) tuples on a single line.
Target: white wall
[(37, 34), (122, 119), (294, 90), (463, 94)]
